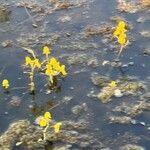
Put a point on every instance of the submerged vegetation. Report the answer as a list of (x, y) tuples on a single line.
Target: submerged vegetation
[(54, 87), (46, 122)]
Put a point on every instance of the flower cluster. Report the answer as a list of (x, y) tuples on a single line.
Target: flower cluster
[(45, 121), (33, 63), (120, 33), (49, 65), (53, 68)]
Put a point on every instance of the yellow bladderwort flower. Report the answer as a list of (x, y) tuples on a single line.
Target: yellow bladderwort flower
[(37, 63), (49, 73), (5, 84), (47, 115), (122, 39), (56, 66), (120, 34), (120, 29), (63, 71), (46, 51), (121, 24), (33, 63), (53, 61), (45, 120), (113, 84), (49, 70), (28, 61), (57, 127), (116, 33), (53, 68)]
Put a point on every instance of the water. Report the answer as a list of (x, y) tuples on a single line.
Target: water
[(75, 85)]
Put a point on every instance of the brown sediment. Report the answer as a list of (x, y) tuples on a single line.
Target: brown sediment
[(132, 6), (105, 30), (4, 13)]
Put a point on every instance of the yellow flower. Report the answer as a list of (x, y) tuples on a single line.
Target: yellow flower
[(113, 84), (121, 24), (5, 84), (62, 70), (117, 32), (53, 68), (56, 66), (37, 63), (28, 61), (33, 63), (120, 29), (45, 120), (53, 61), (47, 115), (50, 71), (46, 50), (122, 39), (57, 127)]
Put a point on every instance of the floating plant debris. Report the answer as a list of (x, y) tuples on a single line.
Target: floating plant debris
[(74, 75)]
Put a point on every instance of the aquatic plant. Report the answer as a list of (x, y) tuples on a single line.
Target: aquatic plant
[(113, 84), (107, 92), (46, 51), (50, 65), (5, 85), (32, 63), (45, 120), (46, 123), (53, 68), (57, 127), (120, 34)]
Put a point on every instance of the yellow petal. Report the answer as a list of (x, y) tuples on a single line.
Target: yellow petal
[(47, 115), (46, 50), (121, 24), (28, 61), (57, 127), (53, 61), (113, 84), (43, 122), (116, 33), (122, 41), (56, 66), (49, 72), (5, 83), (63, 71), (37, 63)]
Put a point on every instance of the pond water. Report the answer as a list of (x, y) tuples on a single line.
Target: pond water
[(63, 31)]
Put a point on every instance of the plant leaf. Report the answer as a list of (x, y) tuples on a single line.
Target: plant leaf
[(31, 52)]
